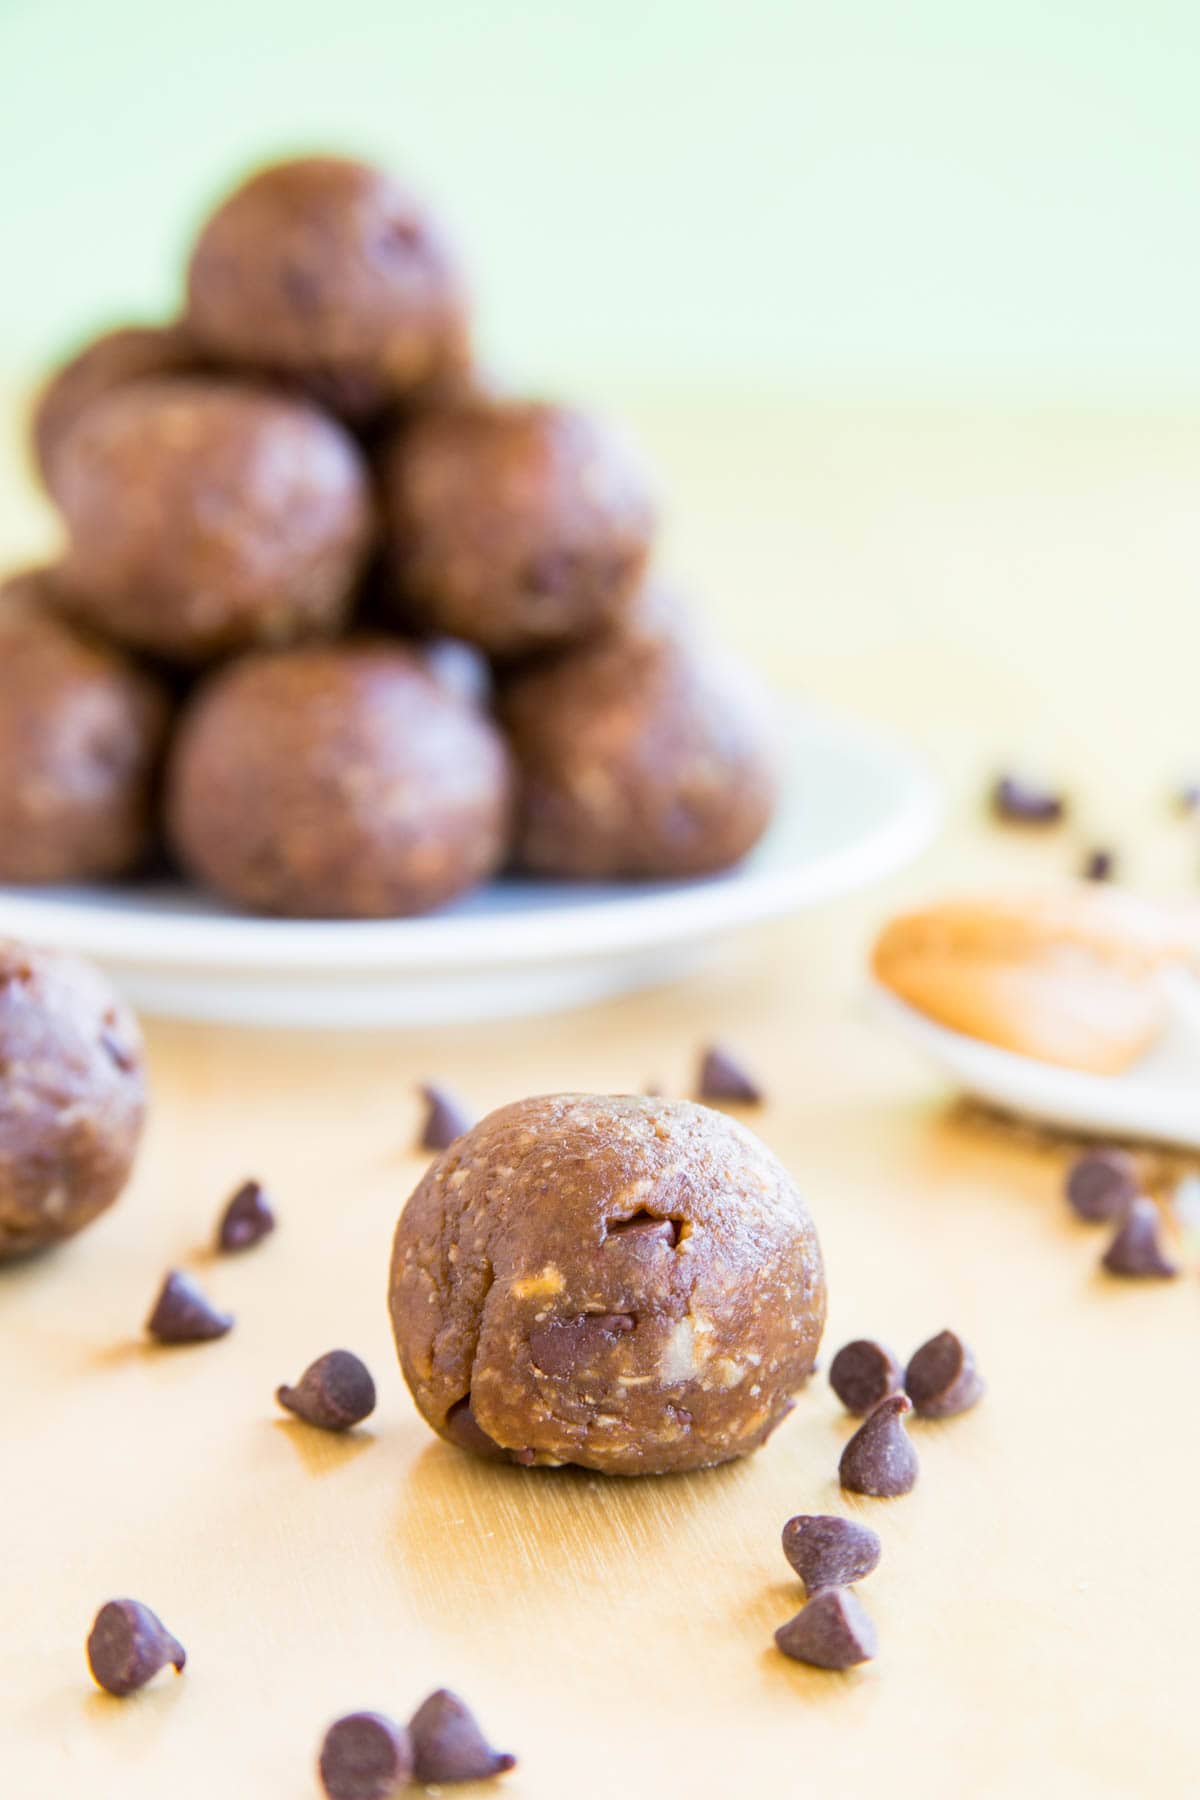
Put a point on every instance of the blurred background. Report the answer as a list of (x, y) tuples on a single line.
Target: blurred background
[(905, 301)]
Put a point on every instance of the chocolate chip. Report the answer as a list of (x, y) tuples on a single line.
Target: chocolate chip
[(862, 1374), (448, 1744), (184, 1314), (1099, 865), (365, 1756), (563, 1345), (880, 1459), (1187, 799), (941, 1378), (1024, 803), (335, 1392), (128, 1645), (1102, 1184), (446, 1119), (828, 1551), (834, 1631), (722, 1077), (1137, 1247), (463, 1428), (247, 1219), (646, 1227)]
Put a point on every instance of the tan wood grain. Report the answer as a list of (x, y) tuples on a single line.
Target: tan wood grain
[(986, 586)]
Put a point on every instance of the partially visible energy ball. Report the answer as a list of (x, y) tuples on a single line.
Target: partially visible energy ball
[(72, 1096), (630, 1284), (516, 526), (205, 518), (113, 360), (638, 756), (82, 732), (331, 274), (342, 781)]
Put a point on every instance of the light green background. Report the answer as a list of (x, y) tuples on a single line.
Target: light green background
[(953, 199)]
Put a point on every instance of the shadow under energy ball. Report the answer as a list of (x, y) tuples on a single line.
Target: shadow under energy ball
[(629, 1284)]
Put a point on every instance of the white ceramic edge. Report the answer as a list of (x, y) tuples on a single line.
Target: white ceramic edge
[(599, 928), (1141, 1104)]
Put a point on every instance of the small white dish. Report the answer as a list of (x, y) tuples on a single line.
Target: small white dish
[(1158, 1100), (854, 806)]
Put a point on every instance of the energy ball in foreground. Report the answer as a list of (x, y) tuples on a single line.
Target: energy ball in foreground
[(82, 730), (205, 518), (638, 756), (337, 782), (113, 360), (630, 1284), (72, 1098), (330, 273), (514, 525)]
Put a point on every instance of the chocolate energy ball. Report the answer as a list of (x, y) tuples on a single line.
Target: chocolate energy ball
[(513, 525), (630, 1284), (330, 273), (113, 360), (82, 731), (638, 756), (72, 1098), (205, 517), (337, 782)]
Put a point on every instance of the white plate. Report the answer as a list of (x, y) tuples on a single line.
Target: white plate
[(854, 806)]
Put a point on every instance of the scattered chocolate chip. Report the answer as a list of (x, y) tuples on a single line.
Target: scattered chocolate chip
[(1026, 804), (1099, 865), (365, 1756), (562, 1345), (941, 1378), (1187, 799), (247, 1218), (1137, 1247), (880, 1459), (834, 1631), (722, 1077), (1102, 1184), (335, 1392), (184, 1314), (862, 1374), (128, 1645), (448, 1744), (828, 1551), (446, 1119)]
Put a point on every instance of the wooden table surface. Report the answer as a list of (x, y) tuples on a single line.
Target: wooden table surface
[(992, 587)]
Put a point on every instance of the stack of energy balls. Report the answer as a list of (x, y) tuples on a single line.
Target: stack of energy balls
[(343, 629)]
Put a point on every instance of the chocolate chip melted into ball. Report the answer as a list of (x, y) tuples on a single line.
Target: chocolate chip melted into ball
[(630, 1284)]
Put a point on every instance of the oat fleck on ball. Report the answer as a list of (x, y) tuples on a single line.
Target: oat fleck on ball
[(82, 731), (513, 525), (638, 756), (330, 273), (337, 782), (204, 518), (72, 1097), (630, 1284)]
